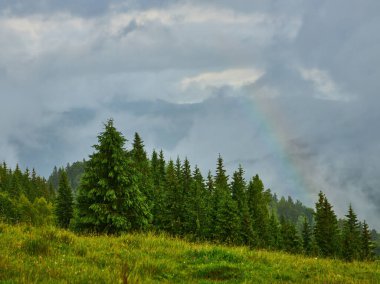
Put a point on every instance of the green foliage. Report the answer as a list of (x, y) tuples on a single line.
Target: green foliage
[(120, 189), (43, 212), (258, 203), (366, 244), (24, 197), (109, 199), (351, 237), (225, 213), (306, 237), (64, 202), (142, 170), (74, 173), (239, 195), (275, 236), (158, 172), (197, 207), (326, 231), (171, 213), (290, 240), (8, 209), (291, 210)]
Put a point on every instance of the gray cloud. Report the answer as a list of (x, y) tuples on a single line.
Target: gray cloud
[(287, 89)]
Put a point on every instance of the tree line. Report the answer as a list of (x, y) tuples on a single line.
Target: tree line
[(124, 190), (25, 197)]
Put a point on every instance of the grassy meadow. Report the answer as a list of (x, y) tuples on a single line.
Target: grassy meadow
[(50, 255)]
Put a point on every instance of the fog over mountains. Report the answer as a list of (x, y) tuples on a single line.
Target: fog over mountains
[(288, 89)]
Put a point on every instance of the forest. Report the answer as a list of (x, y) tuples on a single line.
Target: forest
[(119, 190)]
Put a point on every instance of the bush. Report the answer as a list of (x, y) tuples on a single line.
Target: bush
[(36, 246)]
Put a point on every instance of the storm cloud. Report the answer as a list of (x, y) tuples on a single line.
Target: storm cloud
[(288, 89)]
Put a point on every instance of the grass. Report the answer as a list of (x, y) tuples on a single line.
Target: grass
[(50, 255)]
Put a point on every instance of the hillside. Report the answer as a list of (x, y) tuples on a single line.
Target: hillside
[(35, 255)]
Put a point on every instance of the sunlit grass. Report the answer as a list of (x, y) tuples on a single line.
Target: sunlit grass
[(50, 255)]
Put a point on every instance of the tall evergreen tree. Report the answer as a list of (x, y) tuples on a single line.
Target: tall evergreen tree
[(258, 203), (290, 239), (226, 215), (109, 199), (351, 236), (171, 213), (64, 202), (326, 231), (239, 188), (274, 232), (306, 237), (367, 246), (158, 173), (15, 188), (142, 170), (186, 181), (198, 219)]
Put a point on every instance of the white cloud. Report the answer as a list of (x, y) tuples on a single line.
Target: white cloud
[(325, 86), (235, 78)]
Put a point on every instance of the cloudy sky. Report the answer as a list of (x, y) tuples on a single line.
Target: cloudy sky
[(289, 89)]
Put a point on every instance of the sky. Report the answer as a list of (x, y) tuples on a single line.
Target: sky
[(288, 89)]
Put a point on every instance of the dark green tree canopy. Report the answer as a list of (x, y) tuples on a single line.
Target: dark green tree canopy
[(109, 199), (64, 202)]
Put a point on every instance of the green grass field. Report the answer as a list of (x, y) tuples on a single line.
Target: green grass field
[(49, 255)]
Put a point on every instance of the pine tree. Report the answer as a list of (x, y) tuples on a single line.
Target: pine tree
[(196, 204), (186, 181), (326, 231), (15, 188), (158, 173), (306, 237), (239, 188), (274, 232), (109, 199), (171, 212), (142, 170), (290, 239), (64, 202), (367, 246), (351, 236), (258, 203), (210, 189), (226, 216)]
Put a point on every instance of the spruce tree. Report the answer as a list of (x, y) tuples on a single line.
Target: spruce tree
[(64, 202), (239, 188), (210, 189), (258, 203), (109, 199), (351, 236), (326, 231), (158, 172), (15, 188), (367, 246), (290, 239), (142, 170), (196, 204), (274, 232), (171, 213), (186, 192), (306, 237), (226, 216)]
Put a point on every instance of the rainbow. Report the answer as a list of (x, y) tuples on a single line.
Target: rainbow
[(277, 133)]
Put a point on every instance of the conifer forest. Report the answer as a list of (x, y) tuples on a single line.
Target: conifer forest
[(121, 189)]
